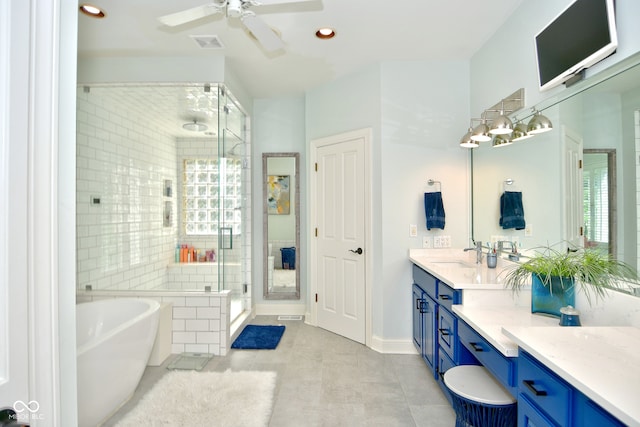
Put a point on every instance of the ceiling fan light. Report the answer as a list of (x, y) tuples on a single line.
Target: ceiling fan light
[(539, 124)]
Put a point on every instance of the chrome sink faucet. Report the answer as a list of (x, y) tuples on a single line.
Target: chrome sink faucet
[(478, 249)]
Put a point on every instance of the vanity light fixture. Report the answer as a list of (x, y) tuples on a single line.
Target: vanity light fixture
[(195, 126), (467, 142), (481, 132), (539, 124), (92, 11), (520, 132), (325, 33), (502, 124), (501, 141)]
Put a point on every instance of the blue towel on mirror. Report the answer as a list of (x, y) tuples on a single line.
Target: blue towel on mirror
[(511, 210), (434, 210)]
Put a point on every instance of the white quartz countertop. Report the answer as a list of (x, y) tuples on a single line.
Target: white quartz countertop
[(459, 269), (490, 321), (602, 362)]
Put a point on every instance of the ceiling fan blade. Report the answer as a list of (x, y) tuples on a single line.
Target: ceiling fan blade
[(274, 2), (189, 15), (261, 31)]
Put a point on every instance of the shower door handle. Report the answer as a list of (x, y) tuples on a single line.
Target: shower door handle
[(357, 251)]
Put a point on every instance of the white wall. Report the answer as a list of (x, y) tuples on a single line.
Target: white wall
[(507, 61), (417, 111), (425, 107), (278, 126)]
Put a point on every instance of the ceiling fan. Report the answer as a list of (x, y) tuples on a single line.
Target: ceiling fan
[(235, 9)]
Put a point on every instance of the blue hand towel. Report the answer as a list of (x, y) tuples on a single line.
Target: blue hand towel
[(434, 210), (511, 210)]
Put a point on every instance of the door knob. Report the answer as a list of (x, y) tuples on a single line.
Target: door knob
[(357, 251)]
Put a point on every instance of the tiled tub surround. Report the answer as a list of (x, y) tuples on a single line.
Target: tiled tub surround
[(505, 320), (200, 321)]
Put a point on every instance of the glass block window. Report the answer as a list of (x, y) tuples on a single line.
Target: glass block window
[(212, 191)]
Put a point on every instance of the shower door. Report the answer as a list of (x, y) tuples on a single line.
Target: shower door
[(232, 238)]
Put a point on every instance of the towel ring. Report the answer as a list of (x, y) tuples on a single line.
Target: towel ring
[(431, 183), (508, 183)]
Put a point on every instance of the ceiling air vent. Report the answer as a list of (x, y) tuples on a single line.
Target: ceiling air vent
[(208, 42)]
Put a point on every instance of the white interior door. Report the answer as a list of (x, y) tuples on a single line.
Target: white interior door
[(340, 227), (573, 197)]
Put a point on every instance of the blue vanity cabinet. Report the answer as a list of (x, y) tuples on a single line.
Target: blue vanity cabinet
[(502, 367), (545, 399), (424, 320), (435, 330)]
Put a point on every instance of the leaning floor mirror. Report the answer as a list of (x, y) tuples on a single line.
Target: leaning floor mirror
[(281, 225)]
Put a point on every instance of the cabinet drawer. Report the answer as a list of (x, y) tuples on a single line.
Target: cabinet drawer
[(530, 416), (447, 296), (542, 387), (426, 281), (503, 368), (444, 363), (589, 413), (447, 331)]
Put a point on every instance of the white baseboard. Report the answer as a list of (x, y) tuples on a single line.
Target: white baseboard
[(280, 309), (387, 346)]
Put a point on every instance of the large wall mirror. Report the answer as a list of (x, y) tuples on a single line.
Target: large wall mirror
[(281, 224), (597, 124)]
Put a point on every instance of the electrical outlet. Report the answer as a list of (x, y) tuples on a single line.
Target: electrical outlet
[(446, 241), (413, 230), (528, 230), (426, 241), (437, 241)]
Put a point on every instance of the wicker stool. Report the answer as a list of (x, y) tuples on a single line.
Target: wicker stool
[(479, 400)]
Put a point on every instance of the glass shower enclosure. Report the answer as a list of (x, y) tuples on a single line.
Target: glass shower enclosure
[(163, 190)]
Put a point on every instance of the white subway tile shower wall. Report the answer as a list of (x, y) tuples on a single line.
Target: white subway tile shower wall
[(123, 157)]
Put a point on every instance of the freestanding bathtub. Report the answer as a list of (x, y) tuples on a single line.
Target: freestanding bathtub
[(114, 340)]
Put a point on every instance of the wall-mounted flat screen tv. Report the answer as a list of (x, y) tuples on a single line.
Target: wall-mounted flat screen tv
[(583, 34)]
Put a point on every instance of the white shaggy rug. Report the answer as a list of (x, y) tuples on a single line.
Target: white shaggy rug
[(190, 398)]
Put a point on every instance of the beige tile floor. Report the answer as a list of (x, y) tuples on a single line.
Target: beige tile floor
[(327, 380)]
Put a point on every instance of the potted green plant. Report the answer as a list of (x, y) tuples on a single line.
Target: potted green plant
[(553, 275)]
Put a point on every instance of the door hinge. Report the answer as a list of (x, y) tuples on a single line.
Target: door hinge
[(581, 231), (580, 164), (316, 167), (316, 297), (316, 231)]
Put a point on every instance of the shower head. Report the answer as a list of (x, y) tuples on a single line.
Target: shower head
[(232, 153)]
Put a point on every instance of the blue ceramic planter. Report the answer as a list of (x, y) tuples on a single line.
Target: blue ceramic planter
[(550, 299)]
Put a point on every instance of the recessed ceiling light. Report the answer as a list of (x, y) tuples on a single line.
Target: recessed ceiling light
[(92, 11), (325, 33)]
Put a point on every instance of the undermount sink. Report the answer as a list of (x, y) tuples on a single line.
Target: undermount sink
[(453, 264)]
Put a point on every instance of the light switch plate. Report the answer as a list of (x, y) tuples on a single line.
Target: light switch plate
[(426, 242), (528, 230), (413, 230)]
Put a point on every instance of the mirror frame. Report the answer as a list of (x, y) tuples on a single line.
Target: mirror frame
[(293, 295)]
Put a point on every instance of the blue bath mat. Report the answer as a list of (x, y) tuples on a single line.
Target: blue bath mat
[(259, 337)]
